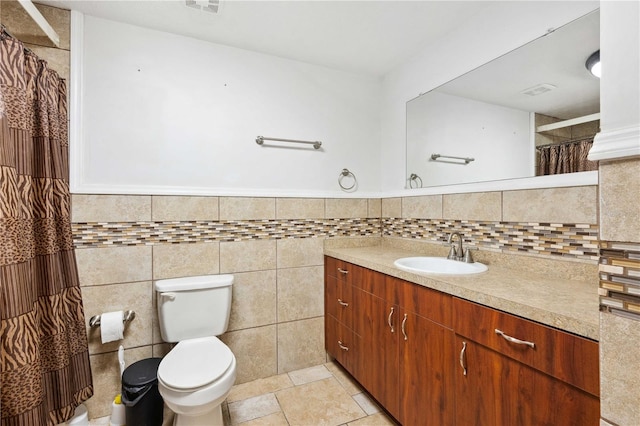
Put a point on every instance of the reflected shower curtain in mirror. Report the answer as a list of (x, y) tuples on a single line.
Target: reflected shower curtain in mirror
[(45, 372), (565, 157)]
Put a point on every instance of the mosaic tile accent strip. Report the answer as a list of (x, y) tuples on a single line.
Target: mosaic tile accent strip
[(578, 241), (619, 271), (95, 234)]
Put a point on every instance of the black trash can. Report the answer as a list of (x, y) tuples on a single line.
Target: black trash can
[(143, 403)]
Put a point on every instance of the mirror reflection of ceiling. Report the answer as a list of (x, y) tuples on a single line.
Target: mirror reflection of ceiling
[(557, 59)]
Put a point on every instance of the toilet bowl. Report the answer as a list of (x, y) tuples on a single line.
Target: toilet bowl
[(194, 378)]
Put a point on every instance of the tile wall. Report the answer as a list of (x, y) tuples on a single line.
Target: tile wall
[(620, 290), (273, 246)]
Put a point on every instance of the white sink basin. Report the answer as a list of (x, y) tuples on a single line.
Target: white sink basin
[(439, 265)]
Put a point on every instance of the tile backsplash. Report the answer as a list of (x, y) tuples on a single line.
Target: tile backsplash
[(274, 248)]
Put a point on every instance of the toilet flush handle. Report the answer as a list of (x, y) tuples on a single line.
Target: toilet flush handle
[(168, 296)]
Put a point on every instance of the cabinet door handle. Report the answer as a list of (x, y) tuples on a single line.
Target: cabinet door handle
[(404, 321), (514, 340), (389, 320), (463, 359), (343, 347), (345, 304), (342, 271)]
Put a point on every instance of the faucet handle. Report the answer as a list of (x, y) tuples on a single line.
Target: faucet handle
[(467, 256), (453, 254)]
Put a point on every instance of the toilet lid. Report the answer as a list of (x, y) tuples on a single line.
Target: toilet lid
[(195, 363)]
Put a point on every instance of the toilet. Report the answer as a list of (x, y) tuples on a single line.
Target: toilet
[(195, 377)]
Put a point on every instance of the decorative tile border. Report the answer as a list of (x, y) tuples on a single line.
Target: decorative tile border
[(94, 234), (620, 278), (566, 240)]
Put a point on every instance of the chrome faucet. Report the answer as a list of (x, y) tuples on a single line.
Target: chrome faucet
[(458, 253)]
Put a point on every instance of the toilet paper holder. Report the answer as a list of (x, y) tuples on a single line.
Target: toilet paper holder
[(127, 316)]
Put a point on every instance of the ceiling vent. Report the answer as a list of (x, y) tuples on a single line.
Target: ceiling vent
[(211, 6), (538, 89)]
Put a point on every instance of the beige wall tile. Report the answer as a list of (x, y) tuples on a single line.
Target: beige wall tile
[(555, 205), (619, 375), (296, 252), (97, 266), (255, 352), (110, 208), (246, 256), (392, 207), (300, 208), (619, 201), (105, 370), (300, 293), (23, 27), (346, 208), (473, 206), (247, 208), (174, 208), (120, 297), (161, 349), (422, 207), (253, 303), (185, 260), (374, 208), (300, 344)]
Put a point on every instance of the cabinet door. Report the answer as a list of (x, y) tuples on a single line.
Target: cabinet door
[(427, 361), (491, 389), (377, 322)]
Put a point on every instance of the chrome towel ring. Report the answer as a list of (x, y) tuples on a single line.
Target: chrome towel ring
[(414, 178), (343, 175)]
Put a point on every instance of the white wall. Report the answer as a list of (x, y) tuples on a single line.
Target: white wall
[(496, 137), (494, 31), (162, 113)]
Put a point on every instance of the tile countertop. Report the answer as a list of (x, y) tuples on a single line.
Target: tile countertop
[(570, 305)]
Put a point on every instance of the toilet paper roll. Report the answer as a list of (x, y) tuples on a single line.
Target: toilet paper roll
[(111, 326)]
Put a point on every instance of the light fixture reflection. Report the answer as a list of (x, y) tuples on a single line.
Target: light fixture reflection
[(593, 64)]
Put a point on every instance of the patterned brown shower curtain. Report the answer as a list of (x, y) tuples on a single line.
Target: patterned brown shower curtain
[(568, 157), (44, 359)]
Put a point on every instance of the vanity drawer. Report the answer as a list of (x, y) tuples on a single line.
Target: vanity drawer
[(341, 270), (338, 300), (567, 357)]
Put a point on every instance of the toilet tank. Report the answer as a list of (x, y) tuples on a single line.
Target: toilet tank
[(193, 307)]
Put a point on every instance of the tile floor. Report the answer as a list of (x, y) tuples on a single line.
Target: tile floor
[(316, 396)]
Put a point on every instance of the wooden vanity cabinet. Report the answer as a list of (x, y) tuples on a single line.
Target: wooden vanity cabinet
[(533, 374), (404, 356), (431, 359)]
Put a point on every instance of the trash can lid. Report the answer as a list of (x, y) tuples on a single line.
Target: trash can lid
[(141, 373)]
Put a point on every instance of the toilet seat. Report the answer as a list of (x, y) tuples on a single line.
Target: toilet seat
[(195, 363)]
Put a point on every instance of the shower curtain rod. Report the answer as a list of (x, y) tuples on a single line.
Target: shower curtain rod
[(588, 138)]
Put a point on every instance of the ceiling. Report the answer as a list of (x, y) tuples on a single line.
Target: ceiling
[(557, 59), (367, 37)]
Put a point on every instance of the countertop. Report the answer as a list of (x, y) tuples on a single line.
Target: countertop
[(566, 304)]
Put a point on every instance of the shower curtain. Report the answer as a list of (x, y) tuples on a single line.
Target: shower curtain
[(567, 157), (44, 358)]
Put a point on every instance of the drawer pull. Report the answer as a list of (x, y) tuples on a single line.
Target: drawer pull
[(389, 320), (343, 347), (342, 271), (514, 340), (463, 359), (404, 321), (345, 304)]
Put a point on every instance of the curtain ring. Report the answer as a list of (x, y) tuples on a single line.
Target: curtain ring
[(414, 178), (343, 174)]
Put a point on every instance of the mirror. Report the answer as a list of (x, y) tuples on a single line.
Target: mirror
[(499, 120)]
